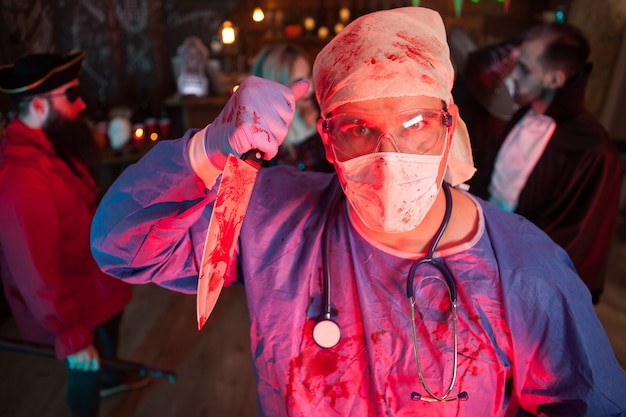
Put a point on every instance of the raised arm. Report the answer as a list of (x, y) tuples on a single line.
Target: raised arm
[(152, 222)]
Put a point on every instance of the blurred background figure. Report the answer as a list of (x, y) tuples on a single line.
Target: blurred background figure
[(193, 56), (555, 164), (303, 147), (57, 294), (481, 92), (197, 74)]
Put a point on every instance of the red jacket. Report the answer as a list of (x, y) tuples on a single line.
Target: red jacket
[(53, 286)]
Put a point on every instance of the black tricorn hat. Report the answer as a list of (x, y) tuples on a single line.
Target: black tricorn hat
[(39, 73)]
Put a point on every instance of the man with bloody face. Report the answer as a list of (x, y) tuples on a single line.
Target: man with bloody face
[(554, 163), (383, 289)]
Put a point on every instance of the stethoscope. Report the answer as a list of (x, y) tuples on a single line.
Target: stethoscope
[(327, 333)]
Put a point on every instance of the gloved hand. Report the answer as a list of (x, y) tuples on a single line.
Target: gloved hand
[(257, 116), (84, 360)]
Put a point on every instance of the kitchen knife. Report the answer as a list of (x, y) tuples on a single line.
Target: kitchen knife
[(229, 210)]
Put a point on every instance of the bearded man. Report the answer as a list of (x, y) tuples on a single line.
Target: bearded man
[(48, 195)]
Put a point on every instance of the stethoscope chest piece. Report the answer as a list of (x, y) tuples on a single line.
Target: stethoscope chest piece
[(326, 333)]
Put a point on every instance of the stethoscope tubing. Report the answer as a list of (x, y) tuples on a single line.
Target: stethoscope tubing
[(430, 255), (429, 258), (327, 332), (326, 290)]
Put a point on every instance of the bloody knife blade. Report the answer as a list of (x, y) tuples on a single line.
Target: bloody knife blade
[(231, 202)]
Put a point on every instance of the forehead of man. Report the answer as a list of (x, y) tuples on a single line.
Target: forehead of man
[(384, 105)]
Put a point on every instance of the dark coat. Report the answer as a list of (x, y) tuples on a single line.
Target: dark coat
[(573, 191)]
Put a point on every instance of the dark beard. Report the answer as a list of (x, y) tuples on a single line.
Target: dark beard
[(72, 139)]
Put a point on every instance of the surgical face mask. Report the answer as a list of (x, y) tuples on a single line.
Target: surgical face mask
[(391, 191)]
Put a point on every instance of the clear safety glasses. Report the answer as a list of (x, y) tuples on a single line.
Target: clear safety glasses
[(417, 131)]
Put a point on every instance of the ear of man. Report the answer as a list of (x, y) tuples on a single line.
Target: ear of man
[(325, 140), (556, 79), (38, 110), (39, 104)]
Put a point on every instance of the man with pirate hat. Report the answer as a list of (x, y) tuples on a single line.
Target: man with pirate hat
[(56, 292)]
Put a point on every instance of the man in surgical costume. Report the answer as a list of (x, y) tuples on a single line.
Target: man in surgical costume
[(527, 336)]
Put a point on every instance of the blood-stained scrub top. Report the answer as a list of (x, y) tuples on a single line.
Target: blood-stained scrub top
[(527, 332)]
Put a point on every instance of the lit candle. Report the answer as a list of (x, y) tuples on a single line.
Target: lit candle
[(139, 133)]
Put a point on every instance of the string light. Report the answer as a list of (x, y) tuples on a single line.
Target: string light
[(322, 32), (309, 23), (258, 15), (228, 32), (458, 7), (344, 14)]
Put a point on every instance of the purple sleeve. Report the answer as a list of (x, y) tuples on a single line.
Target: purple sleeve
[(152, 222)]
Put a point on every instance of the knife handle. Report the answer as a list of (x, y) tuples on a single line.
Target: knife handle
[(253, 156)]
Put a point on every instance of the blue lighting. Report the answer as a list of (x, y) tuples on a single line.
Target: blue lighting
[(560, 16)]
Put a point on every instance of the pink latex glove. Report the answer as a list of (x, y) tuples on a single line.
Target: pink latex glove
[(86, 359), (257, 116)]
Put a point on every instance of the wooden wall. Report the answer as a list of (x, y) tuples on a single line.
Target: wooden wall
[(606, 29)]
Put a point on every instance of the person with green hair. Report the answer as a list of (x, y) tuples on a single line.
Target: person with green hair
[(303, 147)]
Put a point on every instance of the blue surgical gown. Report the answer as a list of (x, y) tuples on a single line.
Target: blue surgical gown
[(528, 335)]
